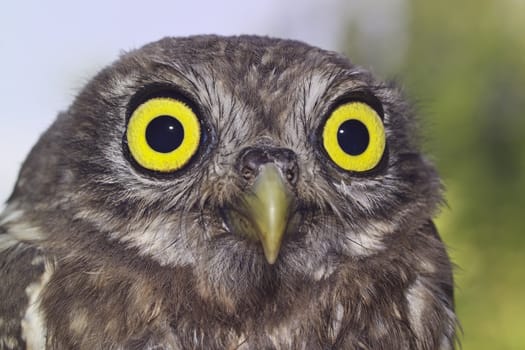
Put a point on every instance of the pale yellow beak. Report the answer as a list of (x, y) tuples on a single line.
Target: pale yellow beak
[(265, 211)]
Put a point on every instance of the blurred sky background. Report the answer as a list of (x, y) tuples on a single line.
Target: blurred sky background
[(461, 62)]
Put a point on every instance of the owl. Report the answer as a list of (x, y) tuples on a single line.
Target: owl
[(217, 192)]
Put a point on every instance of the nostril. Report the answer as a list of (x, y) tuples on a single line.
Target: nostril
[(247, 172), (251, 159), (291, 175)]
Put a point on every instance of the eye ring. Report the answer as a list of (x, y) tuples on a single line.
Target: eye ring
[(354, 137), (163, 134)]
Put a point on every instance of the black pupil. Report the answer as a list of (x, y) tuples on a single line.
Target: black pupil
[(164, 134), (353, 137)]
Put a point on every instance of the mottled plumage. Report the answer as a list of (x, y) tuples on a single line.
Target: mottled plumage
[(98, 253)]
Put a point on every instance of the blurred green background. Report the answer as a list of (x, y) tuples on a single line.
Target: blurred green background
[(464, 67)]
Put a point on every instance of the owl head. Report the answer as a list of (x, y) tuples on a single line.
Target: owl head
[(251, 164)]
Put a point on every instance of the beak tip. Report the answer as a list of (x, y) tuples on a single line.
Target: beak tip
[(271, 257), (272, 260)]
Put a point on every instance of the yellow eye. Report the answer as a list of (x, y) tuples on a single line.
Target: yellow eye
[(354, 137), (163, 134)]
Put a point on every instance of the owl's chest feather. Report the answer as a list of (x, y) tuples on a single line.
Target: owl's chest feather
[(99, 311)]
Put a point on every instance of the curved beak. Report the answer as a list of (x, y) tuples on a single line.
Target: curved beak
[(265, 211)]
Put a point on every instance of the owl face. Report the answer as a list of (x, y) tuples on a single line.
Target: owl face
[(241, 159)]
